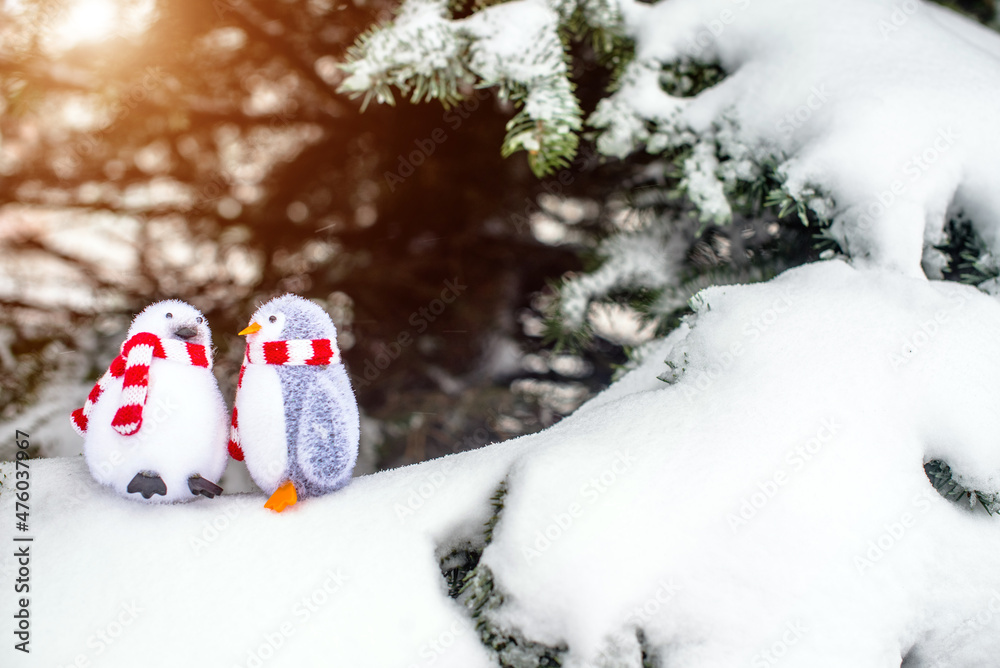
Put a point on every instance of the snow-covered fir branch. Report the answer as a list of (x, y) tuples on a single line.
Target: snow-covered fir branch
[(517, 47), (808, 99)]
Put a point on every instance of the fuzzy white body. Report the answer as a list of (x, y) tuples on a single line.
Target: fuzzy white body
[(184, 432), (262, 423), (184, 428)]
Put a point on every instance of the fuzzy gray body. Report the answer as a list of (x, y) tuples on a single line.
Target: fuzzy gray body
[(320, 427)]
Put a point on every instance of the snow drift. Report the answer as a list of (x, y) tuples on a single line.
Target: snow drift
[(767, 503), (879, 114)]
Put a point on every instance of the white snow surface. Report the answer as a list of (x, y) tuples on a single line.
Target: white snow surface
[(773, 498), (889, 106), (768, 507), (348, 578)]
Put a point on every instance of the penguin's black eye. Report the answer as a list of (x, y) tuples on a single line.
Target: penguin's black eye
[(198, 320), (170, 315), (273, 318)]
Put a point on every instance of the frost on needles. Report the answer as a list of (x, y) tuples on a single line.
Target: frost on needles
[(517, 47), (869, 120)]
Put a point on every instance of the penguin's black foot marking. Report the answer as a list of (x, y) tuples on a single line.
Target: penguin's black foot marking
[(204, 487), (147, 484)]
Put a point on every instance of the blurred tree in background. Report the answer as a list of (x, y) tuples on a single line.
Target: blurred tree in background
[(200, 150)]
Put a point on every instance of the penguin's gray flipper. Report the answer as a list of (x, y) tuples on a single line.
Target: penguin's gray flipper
[(199, 485), (147, 484), (321, 448)]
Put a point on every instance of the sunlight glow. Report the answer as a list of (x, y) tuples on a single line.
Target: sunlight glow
[(87, 21)]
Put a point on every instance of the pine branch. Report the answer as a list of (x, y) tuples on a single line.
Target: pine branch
[(941, 477)]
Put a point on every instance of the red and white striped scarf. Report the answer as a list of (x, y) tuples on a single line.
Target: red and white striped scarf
[(133, 362), (294, 352)]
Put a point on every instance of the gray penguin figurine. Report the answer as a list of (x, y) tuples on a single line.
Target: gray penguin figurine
[(295, 419)]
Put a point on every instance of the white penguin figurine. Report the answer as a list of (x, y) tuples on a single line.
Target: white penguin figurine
[(155, 425), (295, 421)]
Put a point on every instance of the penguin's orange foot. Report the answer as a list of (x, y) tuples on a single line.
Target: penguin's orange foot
[(283, 497)]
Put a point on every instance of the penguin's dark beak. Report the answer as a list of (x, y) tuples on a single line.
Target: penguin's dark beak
[(185, 333)]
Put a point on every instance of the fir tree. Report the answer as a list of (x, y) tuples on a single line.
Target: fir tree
[(710, 214), (703, 208)]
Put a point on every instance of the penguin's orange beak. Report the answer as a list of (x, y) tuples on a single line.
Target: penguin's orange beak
[(250, 329)]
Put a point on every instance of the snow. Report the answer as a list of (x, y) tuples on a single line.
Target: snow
[(225, 581), (752, 492), (44, 414), (514, 42), (795, 435), (647, 258), (421, 43), (888, 105), (770, 501), (515, 47)]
